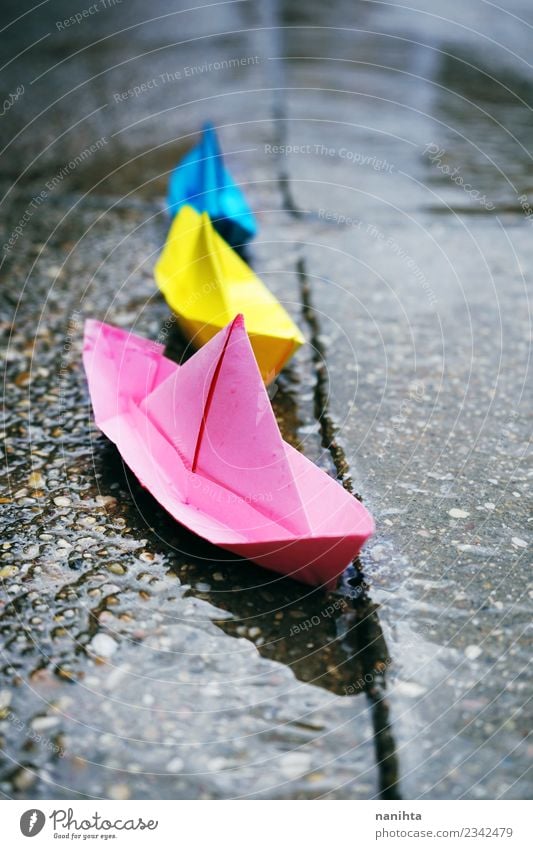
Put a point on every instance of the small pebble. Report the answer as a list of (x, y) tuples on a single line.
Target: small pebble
[(218, 764), (119, 791), (42, 723), (519, 543), (106, 500), (409, 689), (87, 520), (62, 501), (295, 764), (116, 569), (455, 513), (472, 652), (146, 556), (103, 645), (24, 779), (36, 480), (5, 699)]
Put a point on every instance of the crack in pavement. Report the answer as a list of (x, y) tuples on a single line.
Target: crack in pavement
[(374, 656)]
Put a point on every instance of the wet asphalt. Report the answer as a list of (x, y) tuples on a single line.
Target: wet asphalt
[(387, 155)]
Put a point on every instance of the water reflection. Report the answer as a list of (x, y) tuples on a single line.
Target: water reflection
[(330, 639)]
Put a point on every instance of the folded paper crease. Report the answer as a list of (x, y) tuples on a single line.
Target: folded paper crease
[(205, 283), (202, 180), (203, 439)]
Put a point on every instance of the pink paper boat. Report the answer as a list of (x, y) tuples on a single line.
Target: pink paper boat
[(203, 439)]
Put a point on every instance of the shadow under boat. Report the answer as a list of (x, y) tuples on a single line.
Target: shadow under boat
[(332, 639)]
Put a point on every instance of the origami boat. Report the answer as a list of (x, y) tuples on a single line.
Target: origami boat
[(202, 180), (206, 283), (203, 439)]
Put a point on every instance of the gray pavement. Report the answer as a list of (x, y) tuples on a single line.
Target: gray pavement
[(387, 153)]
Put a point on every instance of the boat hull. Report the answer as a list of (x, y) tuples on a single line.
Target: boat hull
[(124, 372)]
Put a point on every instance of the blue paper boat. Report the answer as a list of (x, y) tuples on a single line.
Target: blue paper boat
[(201, 180)]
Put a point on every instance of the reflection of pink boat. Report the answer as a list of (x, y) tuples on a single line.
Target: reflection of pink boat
[(202, 438)]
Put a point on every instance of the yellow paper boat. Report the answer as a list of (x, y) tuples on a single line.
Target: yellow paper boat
[(206, 284)]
